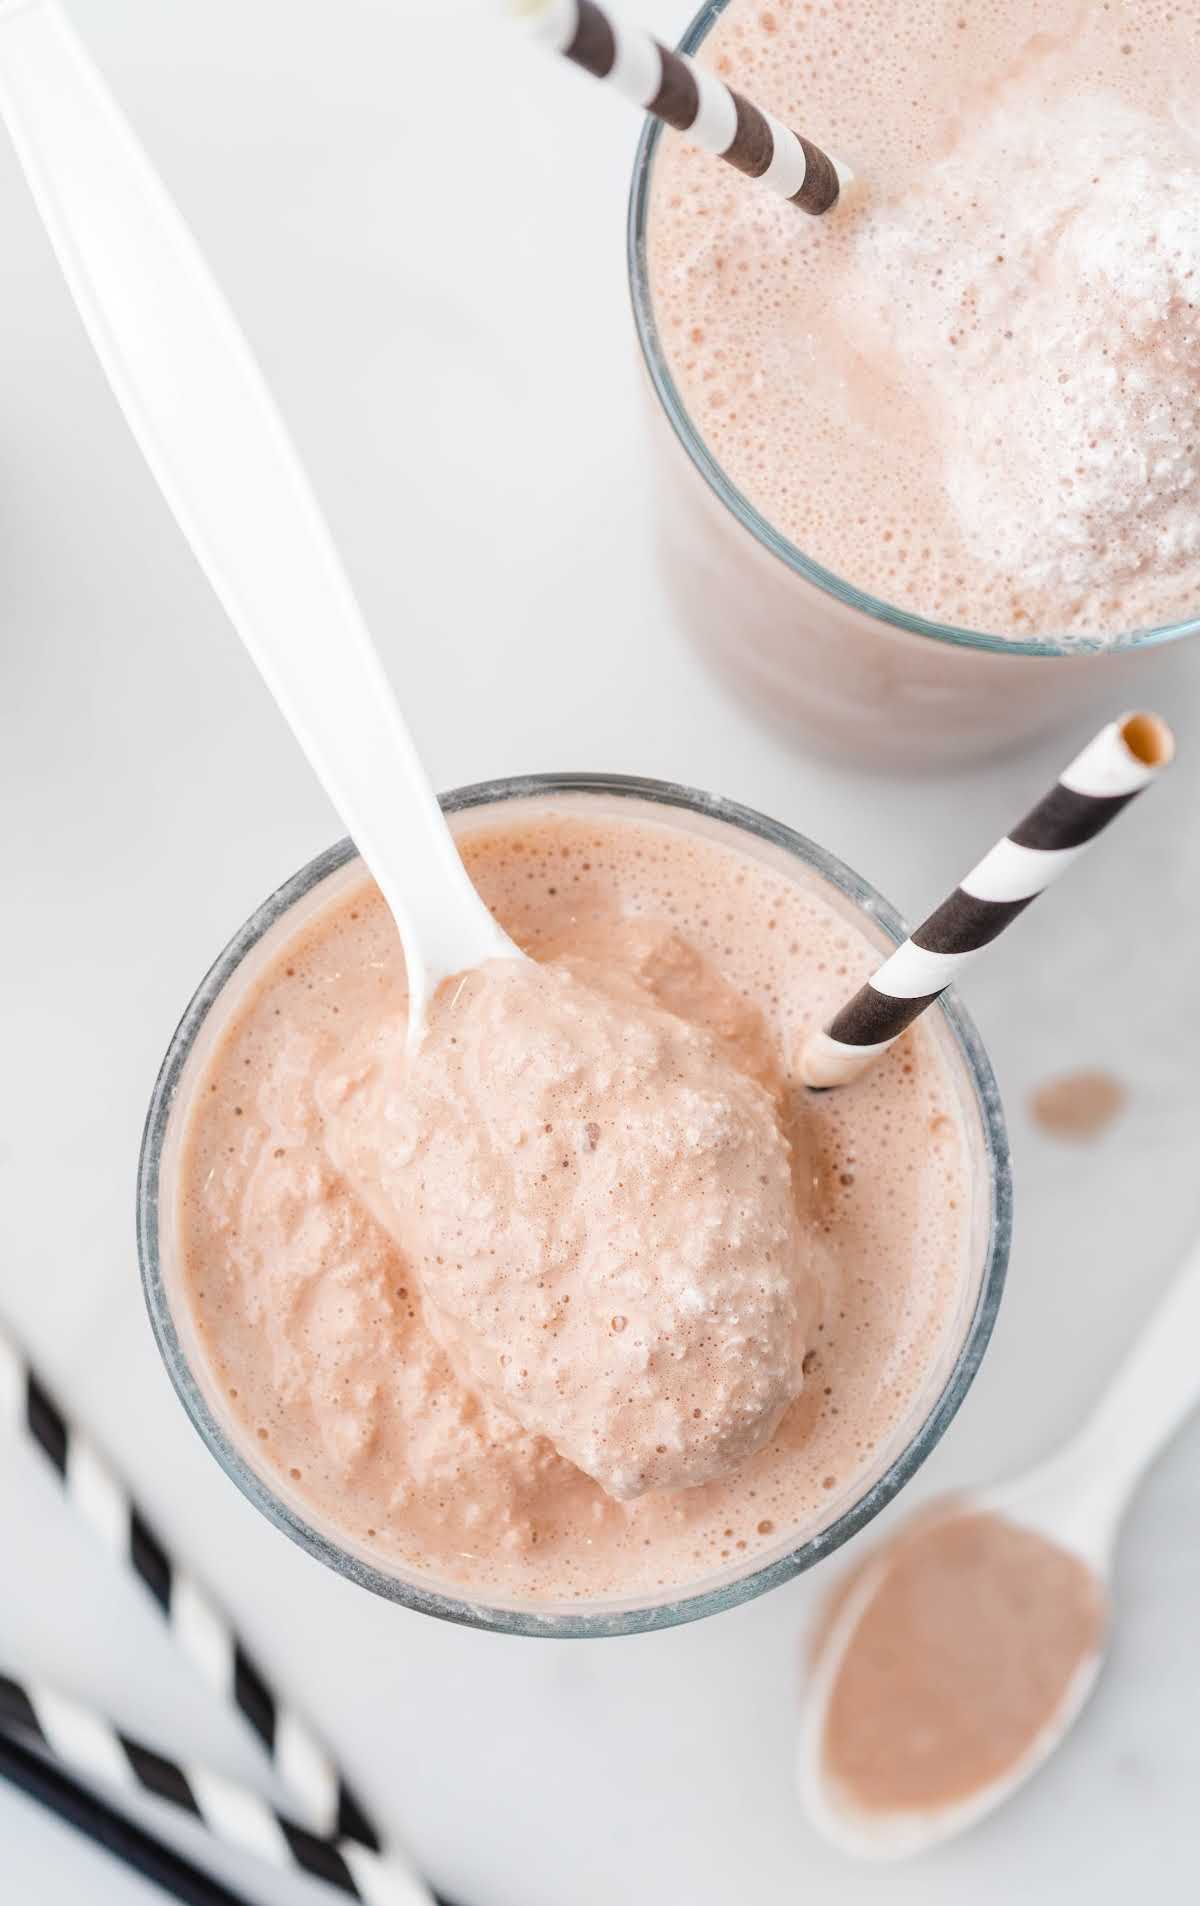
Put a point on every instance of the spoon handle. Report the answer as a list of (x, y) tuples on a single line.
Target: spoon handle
[(198, 407), (1154, 1391)]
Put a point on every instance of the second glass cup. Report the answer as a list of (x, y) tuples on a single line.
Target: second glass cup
[(962, 1341), (808, 650)]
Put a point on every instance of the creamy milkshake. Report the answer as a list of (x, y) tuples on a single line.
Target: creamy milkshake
[(334, 1257), (970, 392)]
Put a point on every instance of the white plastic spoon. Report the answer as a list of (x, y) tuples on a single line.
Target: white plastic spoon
[(197, 404), (1077, 1500), (198, 407)]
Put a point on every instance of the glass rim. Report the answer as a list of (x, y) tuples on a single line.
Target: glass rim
[(739, 505), (600, 1618)]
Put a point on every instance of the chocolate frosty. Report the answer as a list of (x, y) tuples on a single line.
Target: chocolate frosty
[(598, 1206), (973, 390), (810, 1258)]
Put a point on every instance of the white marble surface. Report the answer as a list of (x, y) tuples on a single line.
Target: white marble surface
[(440, 305)]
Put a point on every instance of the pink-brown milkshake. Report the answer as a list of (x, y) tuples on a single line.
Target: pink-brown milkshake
[(971, 391), (348, 1372), (964, 1654)]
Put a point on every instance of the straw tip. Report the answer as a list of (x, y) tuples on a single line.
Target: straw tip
[(824, 1063), (1148, 738), (850, 186)]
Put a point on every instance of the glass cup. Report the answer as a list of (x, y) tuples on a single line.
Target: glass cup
[(222, 991), (807, 649)]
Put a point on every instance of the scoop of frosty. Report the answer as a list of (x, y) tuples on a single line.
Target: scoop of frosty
[(598, 1207)]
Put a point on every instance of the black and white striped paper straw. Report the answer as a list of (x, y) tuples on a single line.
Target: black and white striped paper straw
[(91, 1746), (1122, 760), (687, 96), (198, 1626), (93, 1816)]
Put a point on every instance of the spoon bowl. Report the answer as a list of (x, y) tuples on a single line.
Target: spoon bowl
[(876, 1835), (1075, 1501)]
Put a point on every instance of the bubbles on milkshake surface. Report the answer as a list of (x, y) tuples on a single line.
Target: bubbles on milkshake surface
[(992, 495), (359, 1396)]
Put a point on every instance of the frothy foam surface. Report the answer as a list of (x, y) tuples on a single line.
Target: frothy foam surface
[(309, 1318), (974, 390)]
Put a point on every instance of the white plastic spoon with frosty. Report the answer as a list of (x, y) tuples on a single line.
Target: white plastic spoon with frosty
[(197, 405), (977, 1635), (712, 1312)]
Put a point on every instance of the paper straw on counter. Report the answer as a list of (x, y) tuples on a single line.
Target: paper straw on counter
[(89, 1745), (687, 96), (201, 1630), (1122, 760), (48, 1784)]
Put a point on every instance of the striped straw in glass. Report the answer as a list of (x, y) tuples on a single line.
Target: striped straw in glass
[(1122, 760), (687, 96)]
